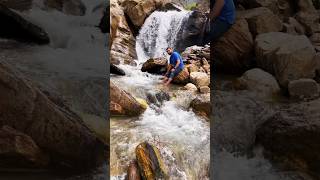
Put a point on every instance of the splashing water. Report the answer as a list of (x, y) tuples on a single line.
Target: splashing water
[(159, 31), (182, 137)]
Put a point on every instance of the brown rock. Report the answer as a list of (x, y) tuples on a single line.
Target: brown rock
[(58, 131), (192, 68), (155, 65), (18, 150), (122, 103), (233, 51), (261, 20), (133, 171), (199, 79), (287, 57), (303, 89), (150, 162), (201, 105)]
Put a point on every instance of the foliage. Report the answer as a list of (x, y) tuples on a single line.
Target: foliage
[(191, 6)]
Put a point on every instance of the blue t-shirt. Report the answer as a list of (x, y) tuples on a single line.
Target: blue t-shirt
[(174, 58), (228, 12)]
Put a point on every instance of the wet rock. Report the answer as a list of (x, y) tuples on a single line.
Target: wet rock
[(104, 24), (150, 163), (236, 117), (18, 150), (204, 89), (260, 82), (192, 30), (201, 105), (71, 7), (122, 40), (191, 87), (20, 5), (129, 106), (261, 20), (59, 132), (199, 79), (303, 89), (133, 171), (138, 10), (155, 65), (116, 70), (234, 51), (291, 135), (287, 57), (158, 97), (183, 77), (14, 26)]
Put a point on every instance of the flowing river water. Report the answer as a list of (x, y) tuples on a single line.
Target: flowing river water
[(182, 137)]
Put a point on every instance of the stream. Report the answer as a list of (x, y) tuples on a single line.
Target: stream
[(182, 137)]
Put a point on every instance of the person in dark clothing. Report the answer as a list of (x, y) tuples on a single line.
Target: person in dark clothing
[(175, 66), (221, 17)]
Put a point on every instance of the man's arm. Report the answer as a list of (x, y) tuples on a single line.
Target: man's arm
[(216, 10), (177, 65)]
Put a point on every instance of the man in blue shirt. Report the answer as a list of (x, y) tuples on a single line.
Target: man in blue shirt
[(222, 16), (175, 66)]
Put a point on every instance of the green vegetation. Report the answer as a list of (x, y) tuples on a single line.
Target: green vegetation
[(191, 6)]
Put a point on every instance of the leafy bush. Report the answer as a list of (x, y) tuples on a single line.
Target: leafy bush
[(191, 6)]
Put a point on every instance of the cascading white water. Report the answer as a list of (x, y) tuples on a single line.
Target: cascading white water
[(159, 31), (182, 137)]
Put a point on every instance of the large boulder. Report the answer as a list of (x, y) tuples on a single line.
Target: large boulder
[(261, 20), (14, 26), (155, 65), (287, 57), (122, 40), (303, 89), (70, 7), (18, 150), (122, 103), (138, 10), (236, 117), (59, 132), (202, 105), (150, 162), (234, 51), (183, 77), (260, 82), (199, 79), (291, 135)]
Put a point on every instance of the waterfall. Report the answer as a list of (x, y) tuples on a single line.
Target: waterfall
[(159, 31)]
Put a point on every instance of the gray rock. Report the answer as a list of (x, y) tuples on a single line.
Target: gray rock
[(303, 89)]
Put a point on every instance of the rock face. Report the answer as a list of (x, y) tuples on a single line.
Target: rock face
[(15, 27), (286, 56), (155, 65), (150, 162), (183, 77), (139, 10), (233, 52), (20, 5), (236, 117), (199, 79), (59, 132), (261, 20), (260, 82), (292, 135), (192, 30), (122, 39), (123, 103), (19, 150), (71, 7), (303, 89), (201, 105)]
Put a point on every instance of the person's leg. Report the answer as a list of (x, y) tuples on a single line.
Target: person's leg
[(172, 75), (217, 29)]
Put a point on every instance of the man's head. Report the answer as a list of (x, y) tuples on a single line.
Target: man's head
[(169, 50)]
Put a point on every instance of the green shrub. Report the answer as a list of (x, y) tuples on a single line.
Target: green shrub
[(191, 6)]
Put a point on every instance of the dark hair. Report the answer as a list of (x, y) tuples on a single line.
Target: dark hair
[(169, 48)]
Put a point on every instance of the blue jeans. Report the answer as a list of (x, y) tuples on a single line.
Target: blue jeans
[(217, 29), (175, 73)]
